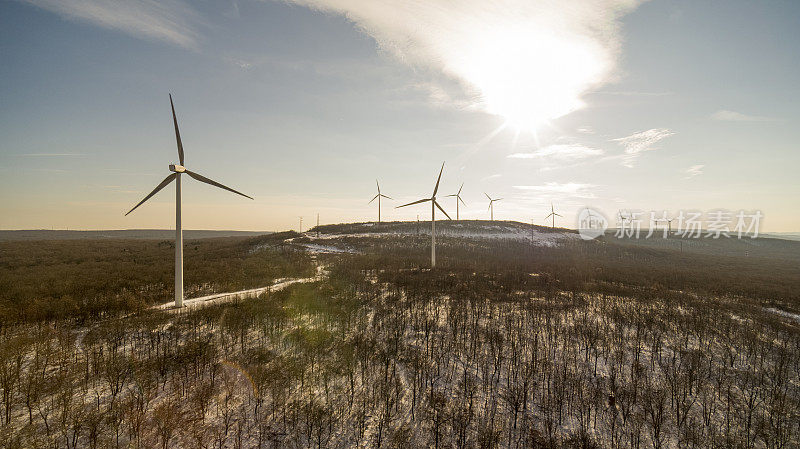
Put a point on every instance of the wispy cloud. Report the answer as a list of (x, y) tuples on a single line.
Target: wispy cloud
[(571, 189), (524, 59), (632, 93), (172, 21), (53, 155), (48, 170), (732, 116), (637, 143), (694, 170), (442, 95), (566, 152)]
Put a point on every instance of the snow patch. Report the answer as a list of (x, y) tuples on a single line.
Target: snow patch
[(785, 314)]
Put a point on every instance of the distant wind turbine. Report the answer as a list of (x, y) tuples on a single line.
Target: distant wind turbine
[(458, 198), (491, 205), (434, 205), (669, 224), (379, 196), (553, 214), (177, 170)]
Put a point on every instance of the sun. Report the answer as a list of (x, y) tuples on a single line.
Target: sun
[(530, 76)]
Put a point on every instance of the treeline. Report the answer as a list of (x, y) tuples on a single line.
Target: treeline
[(405, 357), (606, 266), (50, 280)]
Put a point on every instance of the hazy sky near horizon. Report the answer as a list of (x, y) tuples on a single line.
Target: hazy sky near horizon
[(613, 104)]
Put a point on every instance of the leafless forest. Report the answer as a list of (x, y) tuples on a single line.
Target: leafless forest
[(506, 344)]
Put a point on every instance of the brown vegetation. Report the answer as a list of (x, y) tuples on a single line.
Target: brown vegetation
[(48, 280), (504, 345)]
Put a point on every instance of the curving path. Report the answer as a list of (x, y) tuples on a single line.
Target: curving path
[(218, 298)]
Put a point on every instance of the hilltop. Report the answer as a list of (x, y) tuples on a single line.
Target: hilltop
[(471, 229), (522, 336)]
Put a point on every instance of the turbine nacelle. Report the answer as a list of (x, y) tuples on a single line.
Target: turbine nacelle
[(177, 168)]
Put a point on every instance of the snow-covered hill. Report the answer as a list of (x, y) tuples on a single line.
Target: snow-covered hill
[(470, 229)]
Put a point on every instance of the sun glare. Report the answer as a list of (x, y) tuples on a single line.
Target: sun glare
[(530, 77)]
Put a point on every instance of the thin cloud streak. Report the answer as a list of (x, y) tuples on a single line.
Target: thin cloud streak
[(631, 93), (639, 142), (566, 152), (171, 21), (694, 170), (569, 189), (53, 155), (732, 116)]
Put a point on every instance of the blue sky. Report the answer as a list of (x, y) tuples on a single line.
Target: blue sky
[(658, 105)]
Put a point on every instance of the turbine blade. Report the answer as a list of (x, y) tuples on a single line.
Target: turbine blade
[(447, 196), (440, 208), (373, 198), (497, 199), (202, 178), (379, 186), (551, 214), (163, 184), (387, 197), (459, 189), (436, 189), (177, 133), (415, 202), (487, 196), (462, 201), (557, 215)]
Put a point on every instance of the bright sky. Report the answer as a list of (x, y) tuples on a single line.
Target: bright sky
[(613, 104)]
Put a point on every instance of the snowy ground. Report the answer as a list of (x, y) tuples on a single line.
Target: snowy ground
[(326, 249), (791, 316), (218, 298), (499, 231)]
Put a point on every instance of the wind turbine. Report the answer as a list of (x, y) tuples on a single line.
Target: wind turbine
[(379, 196), (458, 198), (622, 218), (491, 205), (553, 214), (177, 170), (434, 205), (669, 224)]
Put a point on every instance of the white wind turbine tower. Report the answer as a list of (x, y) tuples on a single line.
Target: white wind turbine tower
[(434, 205), (177, 170), (669, 224), (458, 198), (491, 205), (378, 197), (553, 214)]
